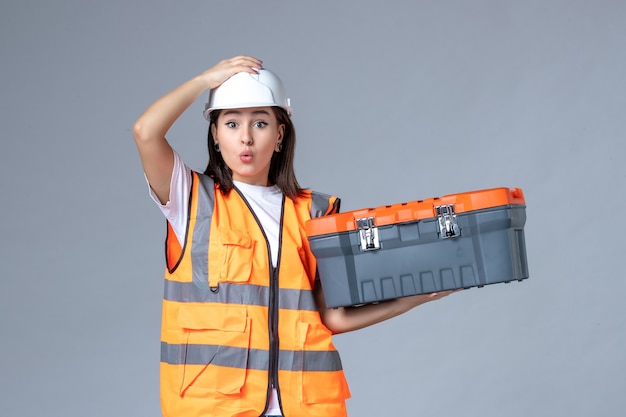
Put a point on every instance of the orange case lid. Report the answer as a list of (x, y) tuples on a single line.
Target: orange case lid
[(415, 210)]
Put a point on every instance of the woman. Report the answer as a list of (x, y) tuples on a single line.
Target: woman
[(245, 329)]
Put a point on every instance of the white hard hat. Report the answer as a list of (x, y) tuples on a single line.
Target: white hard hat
[(244, 90)]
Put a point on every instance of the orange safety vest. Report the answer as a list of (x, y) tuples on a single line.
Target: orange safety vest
[(233, 326)]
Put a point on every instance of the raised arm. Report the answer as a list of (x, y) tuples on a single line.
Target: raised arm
[(150, 129), (346, 319)]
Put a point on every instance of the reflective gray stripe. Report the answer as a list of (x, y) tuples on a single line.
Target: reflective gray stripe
[(258, 359), (202, 229), (319, 204), (307, 360), (289, 299), (233, 357)]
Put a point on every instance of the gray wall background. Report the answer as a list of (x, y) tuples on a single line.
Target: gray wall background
[(394, 101)]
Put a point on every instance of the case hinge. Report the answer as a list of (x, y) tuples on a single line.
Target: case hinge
[(447, 222), (368, 233)]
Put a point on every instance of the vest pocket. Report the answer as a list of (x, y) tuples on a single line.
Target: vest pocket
[(238, 248), (215, 356)]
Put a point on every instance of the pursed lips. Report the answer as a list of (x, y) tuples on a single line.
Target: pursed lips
[(246, 156)]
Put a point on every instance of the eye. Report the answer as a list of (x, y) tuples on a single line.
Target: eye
[(260, 124), (231, 124)]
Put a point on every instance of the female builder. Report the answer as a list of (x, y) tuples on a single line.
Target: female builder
[(245, 329)]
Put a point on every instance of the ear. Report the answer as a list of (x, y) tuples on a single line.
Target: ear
[(279, 141)]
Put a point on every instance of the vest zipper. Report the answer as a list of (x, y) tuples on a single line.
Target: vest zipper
[(272, 307), (273, 333), (273, 319)]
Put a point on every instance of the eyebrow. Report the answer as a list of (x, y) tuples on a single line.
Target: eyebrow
[(237, 112)]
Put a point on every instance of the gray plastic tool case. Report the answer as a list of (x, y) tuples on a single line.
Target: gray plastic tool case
[(456, 241)]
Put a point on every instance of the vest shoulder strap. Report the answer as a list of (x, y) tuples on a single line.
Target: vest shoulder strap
[(323, 204), (206, 192)]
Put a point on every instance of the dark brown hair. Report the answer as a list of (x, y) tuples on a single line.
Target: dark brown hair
[(282, 171)]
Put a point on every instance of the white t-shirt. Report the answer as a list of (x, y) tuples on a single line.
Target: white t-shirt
[(266, 202)]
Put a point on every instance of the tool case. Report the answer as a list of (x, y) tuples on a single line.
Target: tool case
[(456, 241)]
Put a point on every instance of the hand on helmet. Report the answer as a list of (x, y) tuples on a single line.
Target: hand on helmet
[(225, 69)]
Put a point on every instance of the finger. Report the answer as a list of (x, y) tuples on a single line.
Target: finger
[(226, 68), (246, 63)]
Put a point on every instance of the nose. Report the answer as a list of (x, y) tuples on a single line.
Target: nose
[(246, 136)]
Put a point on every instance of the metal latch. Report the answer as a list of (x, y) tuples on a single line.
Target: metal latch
[(447, 222), (368, 233)]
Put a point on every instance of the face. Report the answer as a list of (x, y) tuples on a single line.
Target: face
[(247, 139)]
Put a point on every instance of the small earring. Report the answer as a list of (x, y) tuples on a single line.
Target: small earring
[(216, 147), (280, 146)]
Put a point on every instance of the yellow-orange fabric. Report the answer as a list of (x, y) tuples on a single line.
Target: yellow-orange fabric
[(233, 326)]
